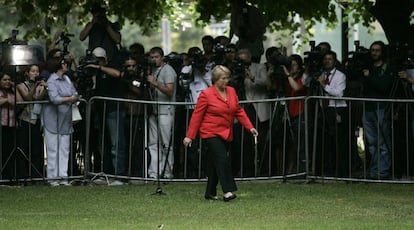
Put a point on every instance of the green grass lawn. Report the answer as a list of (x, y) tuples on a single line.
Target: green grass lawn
[(260, 205)]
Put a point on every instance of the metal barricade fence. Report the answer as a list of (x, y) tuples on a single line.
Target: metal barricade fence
[(370, 140), (315, 145), (268, 159), (23, 154)]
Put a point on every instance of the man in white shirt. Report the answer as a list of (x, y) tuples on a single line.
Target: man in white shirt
[(335, 117)]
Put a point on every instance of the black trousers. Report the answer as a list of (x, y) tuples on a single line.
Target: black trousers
[(218, 166)]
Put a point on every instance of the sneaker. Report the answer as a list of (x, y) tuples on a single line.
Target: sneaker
[(100, 181), (65, 183), (53, 183), (168, 176), (116, 183)]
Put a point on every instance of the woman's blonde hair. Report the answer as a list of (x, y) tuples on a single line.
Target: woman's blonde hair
[(218, 71)]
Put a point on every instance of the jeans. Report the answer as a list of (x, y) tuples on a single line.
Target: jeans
[(298, 132), (115, 123), (377, 129)]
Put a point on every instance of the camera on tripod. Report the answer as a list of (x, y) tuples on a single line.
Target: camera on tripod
[(400, 57), (313, 61), (83, 74), (359, 60), (278, 62)]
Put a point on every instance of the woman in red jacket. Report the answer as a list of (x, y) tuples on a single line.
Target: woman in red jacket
[(213, 116)]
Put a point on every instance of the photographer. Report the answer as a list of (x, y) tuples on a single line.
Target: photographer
[(134, 122), (378, 82), (29, 133), (254, 79), (247, 22), (63, 37), (102, 32), (294, 88), (230, 55), (334, 117), (196, 74), (110, 84), (162, 82), (208, 46), (194, 78)]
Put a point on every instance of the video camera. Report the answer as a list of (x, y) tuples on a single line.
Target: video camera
[(313, 61), (186, 74), (400, 57), (83, 74), (359, 60), (278, 62), (86, 60), (239, 69), (219, 50), (175, 60)]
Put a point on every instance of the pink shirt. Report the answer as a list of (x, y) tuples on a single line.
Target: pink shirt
[(7, 110)]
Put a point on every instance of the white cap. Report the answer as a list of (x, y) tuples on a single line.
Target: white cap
[(99, 52)]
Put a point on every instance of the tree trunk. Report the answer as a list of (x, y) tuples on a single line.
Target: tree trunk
[(394, 17)]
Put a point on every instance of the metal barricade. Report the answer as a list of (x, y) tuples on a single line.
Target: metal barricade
[(371, 140), (26, 159), (319, 144), (268, 159)]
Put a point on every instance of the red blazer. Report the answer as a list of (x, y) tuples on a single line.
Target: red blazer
[(214, 116)]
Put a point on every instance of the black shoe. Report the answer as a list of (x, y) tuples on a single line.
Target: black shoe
[(210, 197), (232, 197)]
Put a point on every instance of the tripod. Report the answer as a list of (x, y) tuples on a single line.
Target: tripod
[(160, 134), (280, 116)]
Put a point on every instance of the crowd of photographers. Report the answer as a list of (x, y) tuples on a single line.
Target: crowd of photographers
[(381, 72)]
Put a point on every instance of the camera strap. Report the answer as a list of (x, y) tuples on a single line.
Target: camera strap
[(154, 91)]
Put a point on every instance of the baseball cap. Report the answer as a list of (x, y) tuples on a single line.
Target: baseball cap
[(99, 52)]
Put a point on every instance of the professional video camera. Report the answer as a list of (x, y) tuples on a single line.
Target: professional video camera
[(83, 74), (86, 60), (186, 75), (358, 61), (219, 50), (238, 74), (175, 60), (400, 57), (313, 61), (278, 62)]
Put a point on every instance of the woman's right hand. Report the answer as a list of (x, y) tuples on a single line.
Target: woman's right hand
[(187, 142)]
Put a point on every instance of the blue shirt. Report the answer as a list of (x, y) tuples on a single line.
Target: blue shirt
[(57, 116)]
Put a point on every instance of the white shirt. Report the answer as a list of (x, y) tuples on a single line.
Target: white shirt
[(335, 88)]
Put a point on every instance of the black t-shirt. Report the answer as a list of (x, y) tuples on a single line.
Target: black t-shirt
[(108, 86)]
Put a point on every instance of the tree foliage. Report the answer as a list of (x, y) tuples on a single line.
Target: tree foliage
[(279, 15)]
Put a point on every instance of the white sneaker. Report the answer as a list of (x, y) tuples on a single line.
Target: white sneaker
[(99, 181), (168, 176), (65, 183), (54, 183), (116, 183)]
